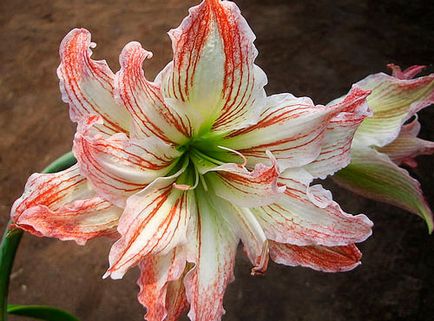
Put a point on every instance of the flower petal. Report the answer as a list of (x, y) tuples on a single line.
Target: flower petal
[(241, 187), (291, 128), (154, 222), (307, 215), (408, 73), (212, 247), (407, 146), (118, 166), (320, 258), (248, 229), (393, 101), (373, 175), (62, 206), (336, 144), (87, 85), (143, 99), (176, 302), (213, 78), (161, 288)]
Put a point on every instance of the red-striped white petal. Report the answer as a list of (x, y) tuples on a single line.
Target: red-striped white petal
[(118, 166), (247, 228), (307, 215), (245, 188), (393, 101), (211, 247), (161, 285), (212, 78), (143, 99), (407, 146), (373, 175), (63, 206), (291, 128), (154, 222), (87, 85), (320, 258), (338, 137)]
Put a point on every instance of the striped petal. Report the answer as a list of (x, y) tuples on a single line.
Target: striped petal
[(154, 222), (118, 166), (63, 206), (246, 188), (320, 258), (338, 137), (143, 99), (161, 288), (393, 101), (307, 215), (247, 228), (212, 78), (375, 176), (212, 247), (291, 128), (407, 146), (87, 85)]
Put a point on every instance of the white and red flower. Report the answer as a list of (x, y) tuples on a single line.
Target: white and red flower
[(189, 165), (388, 139)]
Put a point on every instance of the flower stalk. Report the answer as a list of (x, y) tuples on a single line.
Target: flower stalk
[(12, 237), (9, 245)]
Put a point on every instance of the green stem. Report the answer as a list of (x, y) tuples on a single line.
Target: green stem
[(11, 240), (63, 162), (12, 237)]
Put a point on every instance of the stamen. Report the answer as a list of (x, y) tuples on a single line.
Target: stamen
[(182, 187), (262, 261), (202, 180), (237, 153), (185, 187), (206, 157)]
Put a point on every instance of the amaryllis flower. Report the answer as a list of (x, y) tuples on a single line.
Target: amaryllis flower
[(389, 139), (189, 165)]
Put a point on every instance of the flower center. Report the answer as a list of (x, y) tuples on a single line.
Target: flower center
[(200, 156)]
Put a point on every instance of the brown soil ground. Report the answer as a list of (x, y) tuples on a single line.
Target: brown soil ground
[(313, 48)]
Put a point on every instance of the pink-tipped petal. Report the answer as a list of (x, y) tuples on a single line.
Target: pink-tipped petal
[(212, 78), (338, 137), (393, 101), (408, 73), (212, 247), (320, 258), (87, 85), (63, 206), (307, 215), (154, 222), (143, 99), (407, 146), (373, 175), (118, 166), (291, 128), (161, 286)]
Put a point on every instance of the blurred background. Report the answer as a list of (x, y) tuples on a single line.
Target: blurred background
[(308, 48)]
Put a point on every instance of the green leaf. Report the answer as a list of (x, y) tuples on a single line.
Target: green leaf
[(41, 312)]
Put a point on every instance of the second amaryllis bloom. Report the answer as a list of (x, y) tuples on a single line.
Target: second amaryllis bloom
[(189, 165), (388, 139)]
